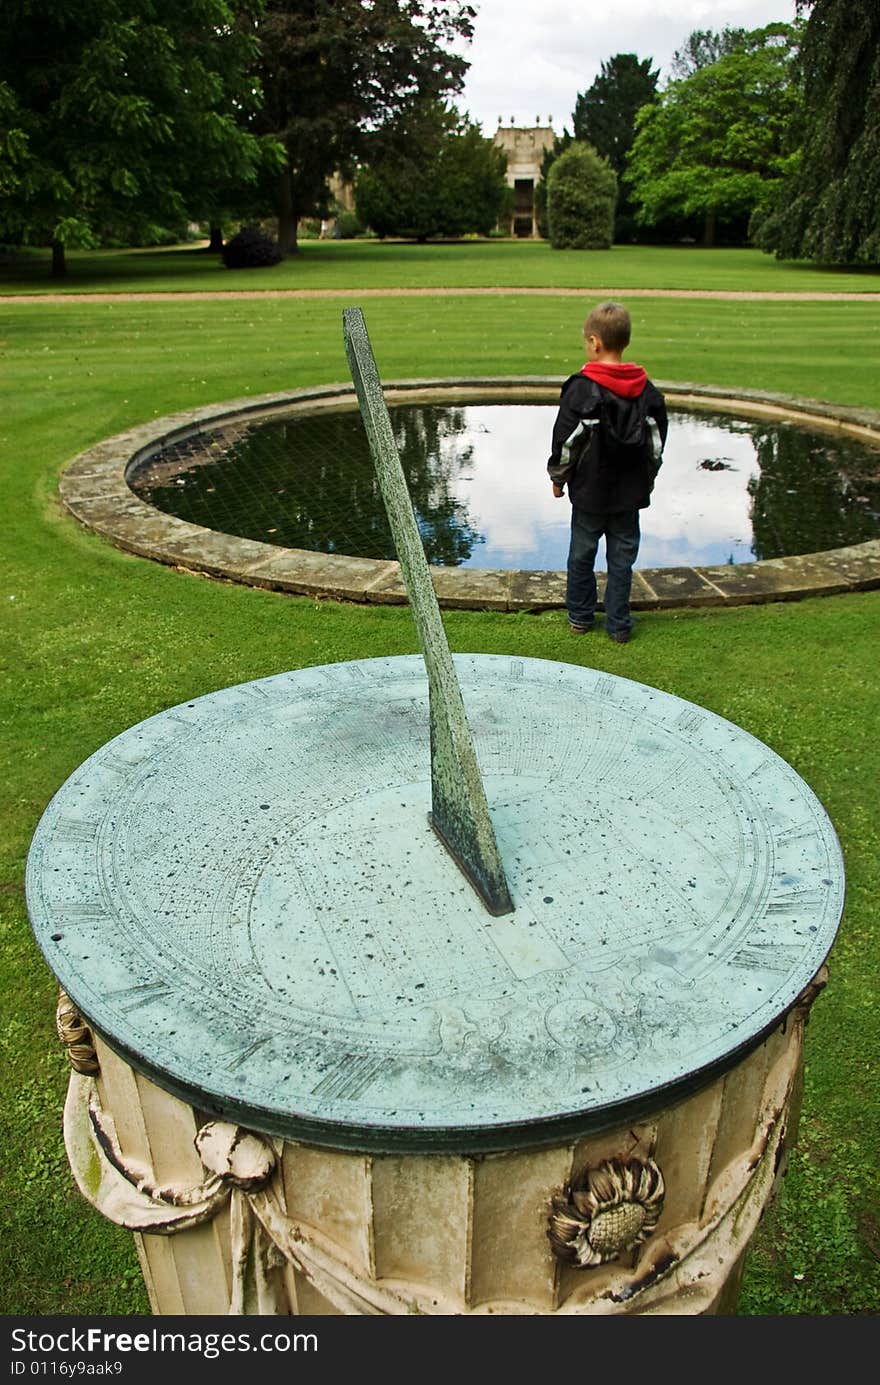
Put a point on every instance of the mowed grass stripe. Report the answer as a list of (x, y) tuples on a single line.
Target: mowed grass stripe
[(464, 264)]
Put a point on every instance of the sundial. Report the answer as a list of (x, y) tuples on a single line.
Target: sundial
[(433, 902)]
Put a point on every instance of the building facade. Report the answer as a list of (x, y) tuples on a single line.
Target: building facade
[(525, 146)]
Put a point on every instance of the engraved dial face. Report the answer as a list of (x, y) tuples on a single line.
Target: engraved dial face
[(245, 896)]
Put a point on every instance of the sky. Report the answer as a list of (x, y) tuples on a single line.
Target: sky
[(531, 58)]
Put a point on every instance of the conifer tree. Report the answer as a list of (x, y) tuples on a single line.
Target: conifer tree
[(828, 209)]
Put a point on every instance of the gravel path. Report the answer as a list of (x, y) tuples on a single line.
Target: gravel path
[(586, 292)]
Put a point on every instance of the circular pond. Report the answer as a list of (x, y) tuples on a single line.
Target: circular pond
[(730, 490)]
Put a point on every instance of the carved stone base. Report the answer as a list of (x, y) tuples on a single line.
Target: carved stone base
[(229, 1220)]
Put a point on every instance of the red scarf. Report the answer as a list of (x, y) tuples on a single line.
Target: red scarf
[(618, 376)]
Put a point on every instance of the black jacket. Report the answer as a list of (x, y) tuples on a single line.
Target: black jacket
[(597, 481)]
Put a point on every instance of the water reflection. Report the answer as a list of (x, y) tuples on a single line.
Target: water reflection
[(729, 490), (807, 485)]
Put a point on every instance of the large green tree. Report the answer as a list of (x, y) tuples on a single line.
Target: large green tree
[(828, 209), (605, 117), (702, 47), (333, 71), (119, 117), (716, 144), (433, 175)]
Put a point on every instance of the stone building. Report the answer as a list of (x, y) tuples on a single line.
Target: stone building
[(525, 146)]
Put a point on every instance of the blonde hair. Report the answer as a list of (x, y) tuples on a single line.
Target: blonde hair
[(611, 323)]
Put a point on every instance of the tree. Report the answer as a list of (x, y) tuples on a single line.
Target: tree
[(436, 175), (716, 144), (828, 208), (581, 196), (704, 47), (605, 116), (118, 115), (333, 71)]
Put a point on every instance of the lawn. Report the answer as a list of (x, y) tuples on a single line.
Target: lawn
[(94, 640), (374, 264)]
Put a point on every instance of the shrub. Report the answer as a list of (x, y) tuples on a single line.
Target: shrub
[(581, 199), (251, 248)]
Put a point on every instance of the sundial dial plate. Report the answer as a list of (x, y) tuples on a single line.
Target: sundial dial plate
[(244, 895)]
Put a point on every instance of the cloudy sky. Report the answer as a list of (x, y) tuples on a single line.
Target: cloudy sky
[(531, 58)]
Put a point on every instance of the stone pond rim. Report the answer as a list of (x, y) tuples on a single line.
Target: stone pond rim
[(94, 488)]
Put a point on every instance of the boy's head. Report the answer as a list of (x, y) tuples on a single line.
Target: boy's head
[(607, 330)]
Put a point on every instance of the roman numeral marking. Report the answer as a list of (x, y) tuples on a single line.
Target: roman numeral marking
[(140, 995), (767, 957), (86, 909), (236, 1057), (76, 830), (250, 969), (801, 830), (118, 765), (689, 722), (760, 768), (797, 902), (352, 1075)]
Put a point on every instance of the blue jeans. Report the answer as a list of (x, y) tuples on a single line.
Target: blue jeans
[(622, 535)]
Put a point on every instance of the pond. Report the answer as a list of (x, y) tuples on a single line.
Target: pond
[(730, 489)]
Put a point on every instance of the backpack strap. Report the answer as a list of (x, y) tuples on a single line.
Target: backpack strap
[(581, 430)]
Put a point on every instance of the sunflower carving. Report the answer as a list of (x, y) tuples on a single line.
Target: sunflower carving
[(605, 1211)]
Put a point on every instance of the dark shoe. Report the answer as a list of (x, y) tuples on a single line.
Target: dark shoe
[(580, 629), (620, 636)]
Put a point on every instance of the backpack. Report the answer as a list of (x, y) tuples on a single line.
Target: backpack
[(628, 437), (624, 434)]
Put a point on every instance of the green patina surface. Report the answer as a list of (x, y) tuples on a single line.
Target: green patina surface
[(267, 846)]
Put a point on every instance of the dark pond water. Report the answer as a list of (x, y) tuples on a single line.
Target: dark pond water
[(730, 490)]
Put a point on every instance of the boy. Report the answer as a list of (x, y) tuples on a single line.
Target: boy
[(608, 442)]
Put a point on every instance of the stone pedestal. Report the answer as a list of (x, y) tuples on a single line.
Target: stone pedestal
[(229, 1221)]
